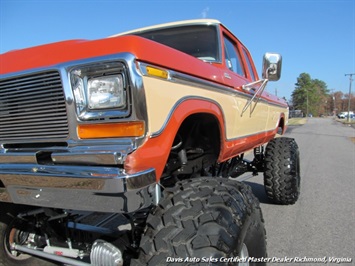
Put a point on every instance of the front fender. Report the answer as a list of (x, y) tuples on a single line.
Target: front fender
[(155, 150)]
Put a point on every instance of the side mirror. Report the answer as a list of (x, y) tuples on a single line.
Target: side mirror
[(272, 66)]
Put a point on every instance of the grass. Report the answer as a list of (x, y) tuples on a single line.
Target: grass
[(297, 121), (345, 122)]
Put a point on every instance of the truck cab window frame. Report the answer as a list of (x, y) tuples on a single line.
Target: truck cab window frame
[(232, 57)]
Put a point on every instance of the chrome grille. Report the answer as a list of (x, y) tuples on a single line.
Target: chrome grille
[(33, 107)]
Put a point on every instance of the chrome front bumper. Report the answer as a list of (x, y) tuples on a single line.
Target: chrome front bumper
[(87, 188)]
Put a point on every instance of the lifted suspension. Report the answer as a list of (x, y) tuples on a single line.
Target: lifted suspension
[(238, 165)]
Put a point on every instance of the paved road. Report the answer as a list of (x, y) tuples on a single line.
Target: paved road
[(322, 222)]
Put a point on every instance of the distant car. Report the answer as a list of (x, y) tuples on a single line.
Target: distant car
[(343, 115)]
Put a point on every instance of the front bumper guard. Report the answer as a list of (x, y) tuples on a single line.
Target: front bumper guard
[(86, 188)]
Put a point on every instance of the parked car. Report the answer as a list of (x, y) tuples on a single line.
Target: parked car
[(343, 115)]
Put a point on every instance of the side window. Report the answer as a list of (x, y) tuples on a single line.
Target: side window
[(233, 61), (249, 64)]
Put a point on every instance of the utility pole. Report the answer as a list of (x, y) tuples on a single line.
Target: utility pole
[(333, 102), (307, 102), (351, 80)]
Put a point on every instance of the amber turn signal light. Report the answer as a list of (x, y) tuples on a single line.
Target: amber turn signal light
[(111, 130), (157, 72)]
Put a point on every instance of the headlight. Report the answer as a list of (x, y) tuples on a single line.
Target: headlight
[(106, 92), (100, 90)]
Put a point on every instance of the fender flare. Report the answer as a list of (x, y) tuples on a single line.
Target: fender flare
[(155, 150)]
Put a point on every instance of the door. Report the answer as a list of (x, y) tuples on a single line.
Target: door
[(252, 121)]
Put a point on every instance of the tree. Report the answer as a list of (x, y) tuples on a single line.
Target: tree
[(300, 94), (338, 102), (310, 95)]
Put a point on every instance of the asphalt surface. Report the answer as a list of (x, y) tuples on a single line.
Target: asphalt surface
[(322, 222)]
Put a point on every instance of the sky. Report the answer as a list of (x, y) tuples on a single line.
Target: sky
[(313, 36)]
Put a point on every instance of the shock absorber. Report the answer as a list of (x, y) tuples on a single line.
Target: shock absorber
[(258, 161)]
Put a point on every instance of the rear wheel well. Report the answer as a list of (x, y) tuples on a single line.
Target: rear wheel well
[(281, 127)]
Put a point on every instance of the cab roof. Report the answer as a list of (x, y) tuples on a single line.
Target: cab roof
[(171, 24)]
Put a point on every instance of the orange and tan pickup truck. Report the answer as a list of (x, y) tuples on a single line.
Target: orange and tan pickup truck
[(129, 150)]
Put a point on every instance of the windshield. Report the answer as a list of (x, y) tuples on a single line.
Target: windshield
[(197, 40)]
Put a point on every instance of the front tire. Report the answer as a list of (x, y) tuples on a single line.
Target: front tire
[(282, 171), (204, 220)]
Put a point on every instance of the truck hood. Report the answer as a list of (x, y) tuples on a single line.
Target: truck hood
[(39, 56), (145, 50)]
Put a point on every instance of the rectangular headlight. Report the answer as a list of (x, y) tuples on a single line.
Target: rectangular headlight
[(106, 92), (100, 90)]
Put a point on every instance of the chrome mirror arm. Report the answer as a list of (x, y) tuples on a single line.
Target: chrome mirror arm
[(257, 94)]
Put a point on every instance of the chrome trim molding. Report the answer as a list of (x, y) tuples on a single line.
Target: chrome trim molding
[(160, 131), (184, 79), (251, 135), (186, 98), (196, 82), (102, 152), (92, 158), (16, 157), (188, 80)]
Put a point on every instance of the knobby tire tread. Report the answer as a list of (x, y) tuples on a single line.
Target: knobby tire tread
[(201, 217), (282, 173)]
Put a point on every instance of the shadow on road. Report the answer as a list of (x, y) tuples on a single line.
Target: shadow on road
[(290, 128), (259, 192)]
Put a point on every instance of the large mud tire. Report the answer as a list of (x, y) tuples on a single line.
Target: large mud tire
[(10, 231), (282, 171), (204, 220)]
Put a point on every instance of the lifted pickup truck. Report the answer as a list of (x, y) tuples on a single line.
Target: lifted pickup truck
[(123, 151)]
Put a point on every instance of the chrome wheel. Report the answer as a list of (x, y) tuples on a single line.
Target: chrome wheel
[(244, 255)]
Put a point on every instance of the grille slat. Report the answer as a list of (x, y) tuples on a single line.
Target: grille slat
[(32, 101), (43, 113), (33, 107), (38, 121), (27, 86), (34, 126), (32, 92), (24, 80)]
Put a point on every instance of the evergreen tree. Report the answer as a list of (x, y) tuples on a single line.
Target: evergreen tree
[(310, 95)]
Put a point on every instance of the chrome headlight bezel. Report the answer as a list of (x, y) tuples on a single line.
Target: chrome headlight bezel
[(100, 90)]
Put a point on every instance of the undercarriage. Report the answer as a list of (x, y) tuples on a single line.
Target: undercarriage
[(74, 237), (98, 238)]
